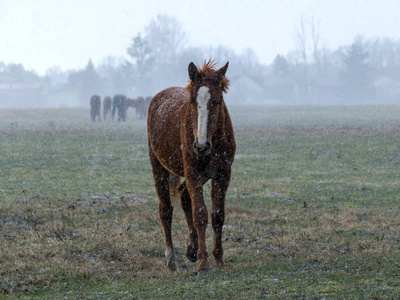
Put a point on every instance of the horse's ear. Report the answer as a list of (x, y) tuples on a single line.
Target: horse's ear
[(193, 71), (220, 74)]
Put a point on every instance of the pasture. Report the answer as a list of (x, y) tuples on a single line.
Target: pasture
[(312, 212)]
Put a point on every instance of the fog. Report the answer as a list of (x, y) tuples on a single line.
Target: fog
[(279, 53)]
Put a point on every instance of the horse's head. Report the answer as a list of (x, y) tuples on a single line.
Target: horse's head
[(206, 88)]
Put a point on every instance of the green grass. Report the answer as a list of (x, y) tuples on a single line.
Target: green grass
[(313, 208)]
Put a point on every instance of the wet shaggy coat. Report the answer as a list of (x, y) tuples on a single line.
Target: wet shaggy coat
[(175, 151)]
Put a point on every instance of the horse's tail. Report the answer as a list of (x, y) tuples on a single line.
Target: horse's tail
[(174, 182)]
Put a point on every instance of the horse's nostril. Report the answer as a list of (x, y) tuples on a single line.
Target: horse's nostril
[(202, 149), (195, 146)]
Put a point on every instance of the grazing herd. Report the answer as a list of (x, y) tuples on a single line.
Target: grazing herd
[(118, 104)]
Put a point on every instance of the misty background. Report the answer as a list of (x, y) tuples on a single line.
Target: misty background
[(365, 71)]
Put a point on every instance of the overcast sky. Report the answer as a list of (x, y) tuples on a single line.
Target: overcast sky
[(44, 33)]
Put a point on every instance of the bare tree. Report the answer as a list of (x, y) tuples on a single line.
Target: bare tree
[(249, 58), (315, 39), (301, 40), (308, 37), (357, 77), (166, 39), (139, 69), (112, 71)]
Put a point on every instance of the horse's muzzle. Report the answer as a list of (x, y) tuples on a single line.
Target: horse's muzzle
[(201, 149)]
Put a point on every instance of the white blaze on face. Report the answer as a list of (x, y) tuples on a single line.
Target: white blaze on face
[(203, 95)]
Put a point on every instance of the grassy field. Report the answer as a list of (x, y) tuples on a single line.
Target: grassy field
[(313, 209)]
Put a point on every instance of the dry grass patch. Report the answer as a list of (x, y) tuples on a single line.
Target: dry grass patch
[(310, 234), (312, 211)]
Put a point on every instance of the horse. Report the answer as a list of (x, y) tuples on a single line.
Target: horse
[(129, 102), (119, 104), (95, 104), (190, 135), (141, 109), (107, 102), (140, 105)]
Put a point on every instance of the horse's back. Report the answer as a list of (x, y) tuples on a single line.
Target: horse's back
[(163, 127), (165, 106), (95, 100), (169, 98), (107, 101)]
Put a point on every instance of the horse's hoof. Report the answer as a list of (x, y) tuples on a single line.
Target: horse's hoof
[(219, 263), (170, 255), (203, 271), (171, 266), (191, 254), (204, 267)]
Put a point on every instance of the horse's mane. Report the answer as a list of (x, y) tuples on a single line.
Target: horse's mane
[(208, 70)]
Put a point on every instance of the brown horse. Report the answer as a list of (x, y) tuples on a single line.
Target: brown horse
[(107, 102), (141, 109), (95, 103), (190, 135), (130, 103), (140, 105)]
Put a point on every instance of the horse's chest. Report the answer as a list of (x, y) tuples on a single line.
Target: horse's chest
[(208, 168)]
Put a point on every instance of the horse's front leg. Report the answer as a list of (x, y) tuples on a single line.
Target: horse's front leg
[(200, 219), (186, 204), (218, 193)]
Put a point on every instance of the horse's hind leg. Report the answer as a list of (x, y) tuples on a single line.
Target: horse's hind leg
[(165, 208), (186, 203)]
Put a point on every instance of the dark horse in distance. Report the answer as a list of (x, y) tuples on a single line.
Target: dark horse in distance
[(119, 104), (140, 104), (141, 109), (107, 102), (95, 103), (190, 135)]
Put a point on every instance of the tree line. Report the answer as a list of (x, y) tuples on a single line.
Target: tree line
[(366, 71)]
